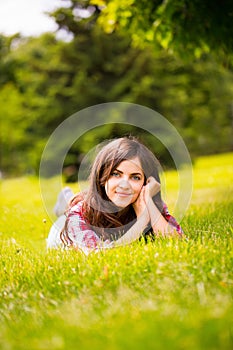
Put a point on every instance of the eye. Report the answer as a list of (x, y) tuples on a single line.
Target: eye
[(115, 174), (136, 177)]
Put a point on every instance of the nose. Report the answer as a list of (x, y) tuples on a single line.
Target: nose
[(124, 183)]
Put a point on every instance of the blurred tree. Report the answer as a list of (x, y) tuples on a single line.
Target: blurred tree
[(28, 103), (50, 80), (186, 27), (7, 64)]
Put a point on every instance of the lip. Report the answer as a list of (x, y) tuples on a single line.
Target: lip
[(123, 194)]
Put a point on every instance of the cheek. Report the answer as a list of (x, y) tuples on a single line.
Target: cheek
[(108, 187), (137, 188)]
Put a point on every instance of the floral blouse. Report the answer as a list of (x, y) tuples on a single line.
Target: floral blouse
[(85, 239)]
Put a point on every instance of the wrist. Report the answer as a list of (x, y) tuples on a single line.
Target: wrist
[(150, 204), (144, 217)]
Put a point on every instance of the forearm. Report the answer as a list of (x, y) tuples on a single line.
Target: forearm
[(135, 231), (158, 223)]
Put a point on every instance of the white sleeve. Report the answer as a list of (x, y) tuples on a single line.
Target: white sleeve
[(54, 240)]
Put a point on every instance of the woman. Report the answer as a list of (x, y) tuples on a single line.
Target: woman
[(122, 203)]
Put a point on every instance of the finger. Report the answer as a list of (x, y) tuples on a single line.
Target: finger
[(149, 179)]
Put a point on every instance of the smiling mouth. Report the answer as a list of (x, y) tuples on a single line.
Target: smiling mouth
[(123, 194)]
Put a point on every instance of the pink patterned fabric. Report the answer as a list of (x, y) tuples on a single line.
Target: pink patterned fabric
[(172, 221), (78, 231), (85, 239)]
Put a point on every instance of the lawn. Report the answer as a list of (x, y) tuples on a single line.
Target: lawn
[(170, 294)]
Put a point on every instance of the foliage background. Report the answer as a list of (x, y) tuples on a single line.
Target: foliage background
[(187, 77)]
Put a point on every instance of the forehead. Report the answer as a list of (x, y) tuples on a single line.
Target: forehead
[(130, 165)]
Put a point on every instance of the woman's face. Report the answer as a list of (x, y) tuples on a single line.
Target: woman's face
[(125, 183)]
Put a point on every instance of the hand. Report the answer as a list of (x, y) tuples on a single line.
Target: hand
[(139, 205), (152, 187)]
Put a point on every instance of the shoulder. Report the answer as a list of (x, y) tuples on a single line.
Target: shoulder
[(76, 209), (76, 212), (171, 219), (165, 209)]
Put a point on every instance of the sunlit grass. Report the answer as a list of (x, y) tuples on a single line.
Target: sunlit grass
[(171, 294)]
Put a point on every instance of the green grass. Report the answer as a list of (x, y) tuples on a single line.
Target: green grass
[(171, 294)]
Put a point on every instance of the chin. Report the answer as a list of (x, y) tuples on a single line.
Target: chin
[(122, 206)]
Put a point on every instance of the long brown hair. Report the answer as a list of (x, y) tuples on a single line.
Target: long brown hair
[(99, 212)]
